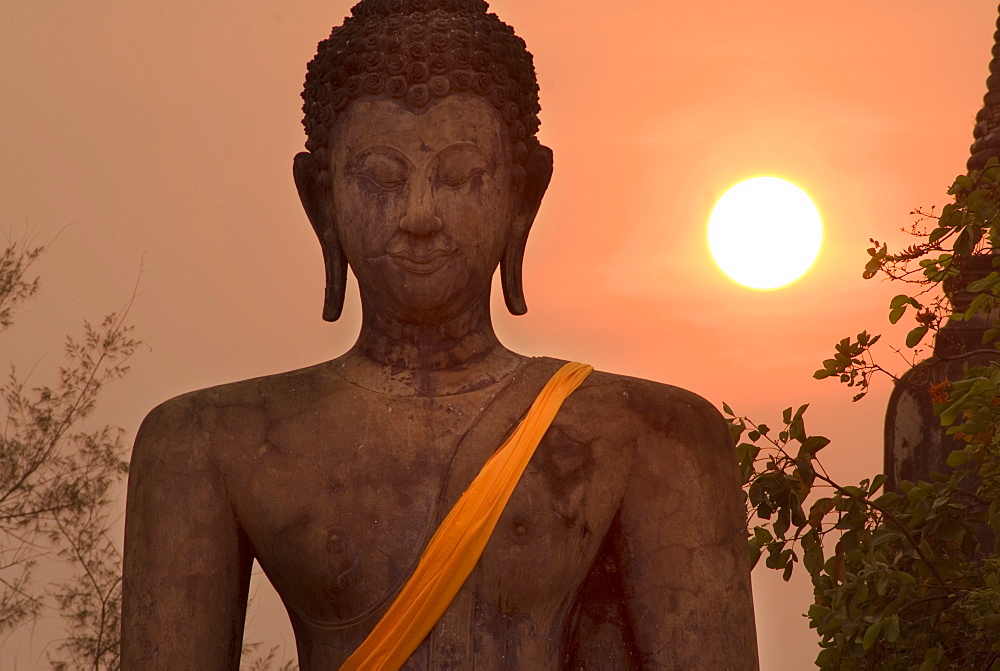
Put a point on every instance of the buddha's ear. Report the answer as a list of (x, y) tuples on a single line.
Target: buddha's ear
[(538, 172), (315, 199)]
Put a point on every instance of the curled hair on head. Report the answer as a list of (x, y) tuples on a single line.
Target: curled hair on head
[(415, 51)]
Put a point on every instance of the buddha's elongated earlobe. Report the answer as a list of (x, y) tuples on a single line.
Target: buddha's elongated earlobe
[(511, 280), (538, 173), (315, 200)]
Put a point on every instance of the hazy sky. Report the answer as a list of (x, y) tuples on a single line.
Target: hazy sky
[(159, 135)]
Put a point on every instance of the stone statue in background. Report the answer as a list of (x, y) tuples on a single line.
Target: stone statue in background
[(622, 545)]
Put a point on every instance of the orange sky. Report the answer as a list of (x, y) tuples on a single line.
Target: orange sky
[(161, 135)]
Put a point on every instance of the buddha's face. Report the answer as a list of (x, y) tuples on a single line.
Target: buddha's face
[(423, 203)]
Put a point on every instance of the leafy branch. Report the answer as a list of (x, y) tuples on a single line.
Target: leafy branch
[(903, 579)]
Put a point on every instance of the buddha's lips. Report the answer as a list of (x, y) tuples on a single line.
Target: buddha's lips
[(423, 264)]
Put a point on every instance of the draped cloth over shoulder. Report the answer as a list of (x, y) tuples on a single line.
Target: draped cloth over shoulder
[(459, 541)]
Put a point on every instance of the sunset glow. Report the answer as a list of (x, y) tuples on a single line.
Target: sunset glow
[(154, 142), (765, 233)]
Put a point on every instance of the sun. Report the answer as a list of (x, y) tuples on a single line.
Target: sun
[(765, 233)]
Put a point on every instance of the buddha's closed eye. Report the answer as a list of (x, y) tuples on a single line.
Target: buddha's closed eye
[(459, 164), (382, 170), (457, 175)]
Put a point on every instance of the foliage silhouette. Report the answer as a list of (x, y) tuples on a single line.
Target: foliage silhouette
[(903, 579), (57, 479)]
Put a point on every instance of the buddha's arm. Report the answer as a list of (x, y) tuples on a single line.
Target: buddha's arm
[(681, 542), (187, 564)]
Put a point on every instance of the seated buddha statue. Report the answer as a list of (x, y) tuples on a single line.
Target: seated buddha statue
[(620, 541)]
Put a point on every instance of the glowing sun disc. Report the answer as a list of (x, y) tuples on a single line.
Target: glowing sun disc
[(765, 232)]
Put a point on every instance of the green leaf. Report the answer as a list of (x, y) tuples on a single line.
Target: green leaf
[(896, 314), (958, 458), (981, 303), (950, 413), (918, 493), (877, 483), (984, 283), (961, 183), (728, 410), (966, 241), (899, 301), (786, 575), (871, 636), (976, 199), (891, 629), (783, 522), (755, 553), (797, 430), (819, 510), (798, 515), (817, 611), (914, 337), (827, 658), (812, 559), (747, 452), (813, 444), (931, 658)]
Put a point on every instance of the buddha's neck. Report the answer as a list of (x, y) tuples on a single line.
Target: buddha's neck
[(459, 355)]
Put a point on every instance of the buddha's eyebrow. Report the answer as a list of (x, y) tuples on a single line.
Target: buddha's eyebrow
[(463, 146), (356, 161)]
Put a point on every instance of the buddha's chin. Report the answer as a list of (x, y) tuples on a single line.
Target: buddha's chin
[(424, 303), (431, 311), (427, 298)]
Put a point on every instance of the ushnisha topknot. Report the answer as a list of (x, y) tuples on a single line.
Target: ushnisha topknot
[(415, 51)]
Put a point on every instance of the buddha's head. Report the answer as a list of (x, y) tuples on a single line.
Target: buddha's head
[(423, 171)]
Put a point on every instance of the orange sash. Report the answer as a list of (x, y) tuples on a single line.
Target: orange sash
[(457, 544)]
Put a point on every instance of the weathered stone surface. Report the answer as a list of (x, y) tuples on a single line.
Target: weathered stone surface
[(916, 444), (623, 545), (987, 129)]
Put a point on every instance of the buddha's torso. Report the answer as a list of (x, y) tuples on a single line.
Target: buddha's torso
[(338, 488)]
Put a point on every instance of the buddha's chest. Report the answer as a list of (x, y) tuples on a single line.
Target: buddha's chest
[(338, 508)]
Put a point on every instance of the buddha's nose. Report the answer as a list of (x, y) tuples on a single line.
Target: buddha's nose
[(420, 218)]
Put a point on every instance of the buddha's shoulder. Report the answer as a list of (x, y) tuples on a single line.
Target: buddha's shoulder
[(233, 409), (635, 405)]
